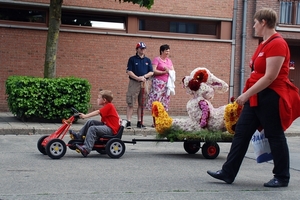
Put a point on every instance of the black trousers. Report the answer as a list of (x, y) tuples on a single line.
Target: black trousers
[(266, 114)]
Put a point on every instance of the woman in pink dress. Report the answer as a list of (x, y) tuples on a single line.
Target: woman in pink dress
[(161, 67)]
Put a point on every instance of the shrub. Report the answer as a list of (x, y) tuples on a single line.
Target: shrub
[(51, 99)]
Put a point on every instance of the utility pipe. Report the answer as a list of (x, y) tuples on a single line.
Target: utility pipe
[(233, 46), (243, 46)]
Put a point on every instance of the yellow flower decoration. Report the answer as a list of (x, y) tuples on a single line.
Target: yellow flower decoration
[(162, 120), (231, 116)]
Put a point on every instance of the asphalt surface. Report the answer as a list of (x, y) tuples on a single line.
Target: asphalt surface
[(147, 170)]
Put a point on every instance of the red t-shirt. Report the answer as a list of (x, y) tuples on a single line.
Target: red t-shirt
[(110, 117), (274, 46), (289, 94)]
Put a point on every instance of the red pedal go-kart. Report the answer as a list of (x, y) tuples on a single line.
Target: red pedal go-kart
[(54, 146)]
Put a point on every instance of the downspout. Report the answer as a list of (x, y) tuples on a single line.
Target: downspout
[(243, 46), (233, 46)]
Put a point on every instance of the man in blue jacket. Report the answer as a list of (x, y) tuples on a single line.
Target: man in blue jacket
[(139, 69)]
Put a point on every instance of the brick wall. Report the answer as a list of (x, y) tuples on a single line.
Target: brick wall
[(252, 42), (102, 59), (205, 8)]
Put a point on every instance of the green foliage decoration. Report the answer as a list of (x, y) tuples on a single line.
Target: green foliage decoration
[(174, 133), (43, 98)]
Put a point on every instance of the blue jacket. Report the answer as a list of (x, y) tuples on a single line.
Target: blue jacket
[(139, 66)]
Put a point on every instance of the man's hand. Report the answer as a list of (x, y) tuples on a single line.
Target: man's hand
[(142, 79)]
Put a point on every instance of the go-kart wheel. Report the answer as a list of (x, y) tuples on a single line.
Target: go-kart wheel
[(210, 150), (56, 148), (191, 147), (115, 148), (40, 147)]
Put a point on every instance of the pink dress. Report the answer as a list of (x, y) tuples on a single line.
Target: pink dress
[(159, 88)]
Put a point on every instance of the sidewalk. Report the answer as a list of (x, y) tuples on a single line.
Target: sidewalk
[(10, 125)]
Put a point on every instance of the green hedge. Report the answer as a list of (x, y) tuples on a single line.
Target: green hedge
[(43, 98)]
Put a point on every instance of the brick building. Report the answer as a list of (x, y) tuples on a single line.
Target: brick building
[(246, 42), (216, 34)]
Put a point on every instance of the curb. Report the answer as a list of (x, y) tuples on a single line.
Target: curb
[(133, 131), (48, 131)]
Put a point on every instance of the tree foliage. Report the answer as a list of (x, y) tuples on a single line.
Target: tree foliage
[(142, 3)]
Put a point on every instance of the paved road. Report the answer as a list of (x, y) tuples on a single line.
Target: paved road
[(147, 170)]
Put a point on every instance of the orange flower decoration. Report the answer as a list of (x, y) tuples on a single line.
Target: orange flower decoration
[(154, 110), (231, 115), (201, 76), (162, 120)]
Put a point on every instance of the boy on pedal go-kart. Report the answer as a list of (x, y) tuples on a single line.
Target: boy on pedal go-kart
[(109, 123)]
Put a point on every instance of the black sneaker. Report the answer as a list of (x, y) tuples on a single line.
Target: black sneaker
[(140, 125), (74, 135), (82, 150), (128, 125), (221, 176), (276, 183)]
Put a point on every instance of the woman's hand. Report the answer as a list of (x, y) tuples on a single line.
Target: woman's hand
[(241, 100), (166, 70)]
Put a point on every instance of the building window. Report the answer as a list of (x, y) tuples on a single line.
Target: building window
[(95, 21), (289, 12), (181, 27), (119, 22), (23, 15), (186, 27)]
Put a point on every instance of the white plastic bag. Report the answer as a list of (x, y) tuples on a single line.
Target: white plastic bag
[(261, 147)]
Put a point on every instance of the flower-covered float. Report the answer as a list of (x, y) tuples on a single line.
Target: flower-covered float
[(204, 123)]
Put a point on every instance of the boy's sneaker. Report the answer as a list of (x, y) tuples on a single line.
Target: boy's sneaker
[(140, 125), (82, 150), (128, 125), (74, 135)]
